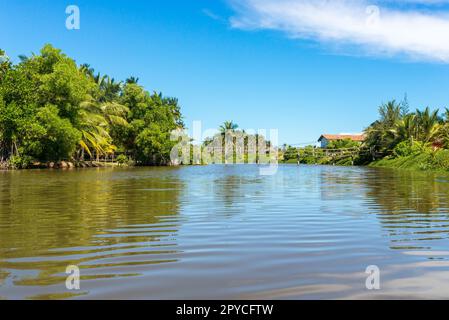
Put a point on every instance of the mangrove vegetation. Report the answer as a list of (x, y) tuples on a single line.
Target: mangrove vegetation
[(52, 109)]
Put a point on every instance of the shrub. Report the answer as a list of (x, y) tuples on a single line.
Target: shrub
[(440, 159), (122, 159), (424, 166), (60, 139), (343, 144), (291, 153), (17, 162), (407, 148), (403, 149)]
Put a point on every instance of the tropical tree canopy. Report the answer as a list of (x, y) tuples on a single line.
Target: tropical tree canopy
[(395, 126), (53, 109)]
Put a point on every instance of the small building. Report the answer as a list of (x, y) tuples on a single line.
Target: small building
[(325, 139)]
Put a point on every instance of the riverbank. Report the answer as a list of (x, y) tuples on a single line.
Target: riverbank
[(326, 161), (62, 165), (428, 160), (425, 161), (52, 108)]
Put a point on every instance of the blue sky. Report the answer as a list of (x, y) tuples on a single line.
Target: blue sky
[(264, 64)]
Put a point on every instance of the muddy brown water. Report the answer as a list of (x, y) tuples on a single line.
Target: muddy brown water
[(224, 232)]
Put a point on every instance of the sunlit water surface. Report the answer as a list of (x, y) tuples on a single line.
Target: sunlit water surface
[(224, 232)]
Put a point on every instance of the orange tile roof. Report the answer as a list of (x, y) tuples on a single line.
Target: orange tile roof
[(353, 137)]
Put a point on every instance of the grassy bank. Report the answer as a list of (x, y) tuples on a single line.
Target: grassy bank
[(417, 156), (424, 161)]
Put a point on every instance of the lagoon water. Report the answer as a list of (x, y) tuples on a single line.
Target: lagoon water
[(224, 232)]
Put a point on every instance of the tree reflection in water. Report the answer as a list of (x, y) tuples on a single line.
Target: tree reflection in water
[(96, 218)]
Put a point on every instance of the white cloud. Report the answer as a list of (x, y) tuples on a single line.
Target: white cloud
[(397, 27), (211, 14)]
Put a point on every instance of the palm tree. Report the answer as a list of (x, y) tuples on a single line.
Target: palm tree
[(405, 128), (23, 58), (381, 135), (95, 121), (132, 80), (390, 113), (428, 124), (227, 130), (87, 70), (109, 89), (444, 130), (228, 126), (99, 79), (93, 127), (115, 113), (393, 127)]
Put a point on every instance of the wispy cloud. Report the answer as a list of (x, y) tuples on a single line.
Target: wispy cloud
[(418, 29), (212, 15)]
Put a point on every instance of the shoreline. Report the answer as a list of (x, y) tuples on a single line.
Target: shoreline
[(61, 165), (406, 164), (410, 163)]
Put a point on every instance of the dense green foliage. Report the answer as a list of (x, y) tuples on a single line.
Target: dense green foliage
[(342, 144), (412, 140), (290, 154), (398, 139), (430, 160), (394, 126), (331, 156), (52, 109), (232, 145)]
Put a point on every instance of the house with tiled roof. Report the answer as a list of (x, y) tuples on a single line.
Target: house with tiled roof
[(325, 139)]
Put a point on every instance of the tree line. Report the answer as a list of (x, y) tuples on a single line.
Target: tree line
[(410, 139), (398, 138), (52, 109), (398, 128), (232, 145)]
